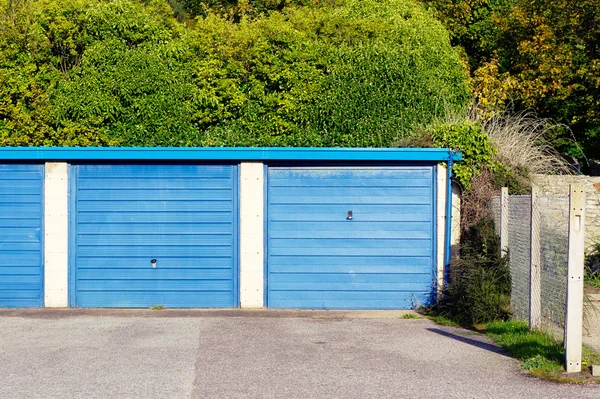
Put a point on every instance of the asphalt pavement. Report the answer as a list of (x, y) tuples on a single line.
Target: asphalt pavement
[(170, 354)]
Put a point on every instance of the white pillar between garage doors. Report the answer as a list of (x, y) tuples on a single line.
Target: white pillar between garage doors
[(252, 187), (441, 189), (56, 235)]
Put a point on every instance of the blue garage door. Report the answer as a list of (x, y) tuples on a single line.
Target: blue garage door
[(151, 235), (21, 212), (350, 237)]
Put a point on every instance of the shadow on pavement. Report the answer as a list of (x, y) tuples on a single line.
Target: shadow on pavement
[(479, 344)]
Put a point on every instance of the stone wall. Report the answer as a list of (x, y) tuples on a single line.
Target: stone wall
[(559, 184)]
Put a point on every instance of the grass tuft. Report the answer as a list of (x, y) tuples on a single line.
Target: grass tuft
[(410, 316), (443, 320), (525, 344)]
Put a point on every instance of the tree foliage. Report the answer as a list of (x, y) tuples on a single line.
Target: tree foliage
[(127, 72), (541, 55), (548, 58), (471, 24)]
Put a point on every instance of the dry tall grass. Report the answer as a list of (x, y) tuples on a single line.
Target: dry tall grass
[(522, 145)]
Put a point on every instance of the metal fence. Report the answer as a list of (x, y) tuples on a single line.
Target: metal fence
[(554, 256), (543, 236)]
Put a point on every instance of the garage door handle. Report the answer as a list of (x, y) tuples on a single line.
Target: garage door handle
[(349, 217)]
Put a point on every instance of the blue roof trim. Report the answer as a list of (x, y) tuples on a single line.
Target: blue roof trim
[(226, 153)]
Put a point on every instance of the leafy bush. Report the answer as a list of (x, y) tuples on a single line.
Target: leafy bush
[(479, 284), (357, 56), (46, 51), (337, 73), (471, 139)]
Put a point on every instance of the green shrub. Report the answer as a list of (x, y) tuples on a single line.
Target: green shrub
[(132, 94), (54, 58), (479, 284), (351, 73), (337, 73), (471, 139)]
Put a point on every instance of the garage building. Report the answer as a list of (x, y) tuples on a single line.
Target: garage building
[(310, 228)]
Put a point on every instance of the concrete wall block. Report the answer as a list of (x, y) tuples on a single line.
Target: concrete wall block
[(252, 235), (56, 234), (58, 280)]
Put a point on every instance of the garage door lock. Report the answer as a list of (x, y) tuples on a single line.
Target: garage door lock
[(349, 217), (153, 263)]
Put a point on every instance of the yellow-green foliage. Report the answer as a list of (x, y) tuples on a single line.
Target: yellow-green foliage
[(127, 72), (540, 56), (471, 139)]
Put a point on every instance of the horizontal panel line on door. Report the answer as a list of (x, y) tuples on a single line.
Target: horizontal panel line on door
[(34, 240), (133, 234), (349, 273), (156, 290), (352, 234), (22, 197), (153, 189), (16, 203), (346, 203), (139, 256), (353, 291), (150, 222), (402, 239), (134, 246), (152, 279), (17, 178), (362, 222), (12, 217), (156, 200), (169, 268), (12, 251), (353, 256), (351, 185), (163, 207), (141, 211)]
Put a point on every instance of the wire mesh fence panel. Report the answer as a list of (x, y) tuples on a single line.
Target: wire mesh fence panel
[(554, 251), (539, 258), (496, 212), (519, 242)]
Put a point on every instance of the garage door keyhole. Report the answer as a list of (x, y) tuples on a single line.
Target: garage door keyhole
[(349, 217)]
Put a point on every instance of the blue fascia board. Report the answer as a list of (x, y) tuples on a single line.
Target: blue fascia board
[(227, 153)]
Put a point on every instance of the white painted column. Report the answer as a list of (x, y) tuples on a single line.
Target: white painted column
[(442, 188), (535, 273), (56, 235), (575, 267), (252, 234), (504, 198), (441, 226)]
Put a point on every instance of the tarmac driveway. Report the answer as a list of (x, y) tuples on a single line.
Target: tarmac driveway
[(237, 354)]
